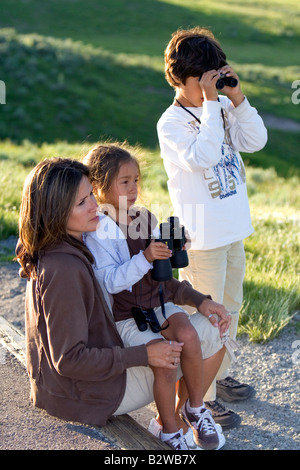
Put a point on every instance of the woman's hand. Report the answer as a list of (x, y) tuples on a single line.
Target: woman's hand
[(163, 353)]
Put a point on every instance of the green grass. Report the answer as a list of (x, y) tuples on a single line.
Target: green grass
[(79, 72), (271, 288), (64, 90), (88, 72)]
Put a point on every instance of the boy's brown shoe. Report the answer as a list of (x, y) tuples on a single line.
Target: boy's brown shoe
[(230, 389), (221, 415)]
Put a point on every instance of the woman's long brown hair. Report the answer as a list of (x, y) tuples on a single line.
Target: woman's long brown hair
[(48, 197)]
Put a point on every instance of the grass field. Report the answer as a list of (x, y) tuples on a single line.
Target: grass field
[(78, 72)]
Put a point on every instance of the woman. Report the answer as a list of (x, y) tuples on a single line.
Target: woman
[(78, 367)]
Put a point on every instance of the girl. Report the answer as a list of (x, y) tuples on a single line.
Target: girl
[(78, 366), (123, 263)]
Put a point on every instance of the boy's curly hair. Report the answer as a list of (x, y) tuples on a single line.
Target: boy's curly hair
[(190, 53)]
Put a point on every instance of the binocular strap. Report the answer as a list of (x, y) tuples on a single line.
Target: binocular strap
[(197, 119), (162, 303)]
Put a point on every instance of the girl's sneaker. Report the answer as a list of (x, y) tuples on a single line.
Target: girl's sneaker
[(189, 437), (204, 428), (177, 442), (155, 429)]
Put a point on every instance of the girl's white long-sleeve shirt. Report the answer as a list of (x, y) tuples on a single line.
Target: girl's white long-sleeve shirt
[(206, 174), (114, 268)]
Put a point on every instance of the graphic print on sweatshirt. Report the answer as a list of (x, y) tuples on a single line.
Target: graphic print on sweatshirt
[(223, 179)]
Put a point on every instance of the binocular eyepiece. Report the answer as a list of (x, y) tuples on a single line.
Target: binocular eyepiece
[(172, 234), (226, 81)]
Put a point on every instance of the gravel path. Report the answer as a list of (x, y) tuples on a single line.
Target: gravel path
[(270, 420)]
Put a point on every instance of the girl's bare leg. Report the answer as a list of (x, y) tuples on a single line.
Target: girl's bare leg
[(164, 390), (198, 373), (191, 356), (210, 368)]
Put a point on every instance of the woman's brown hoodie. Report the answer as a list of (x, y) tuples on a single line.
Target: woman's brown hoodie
[(75, 357)]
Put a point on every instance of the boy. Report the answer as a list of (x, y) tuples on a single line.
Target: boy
[(200, 137)]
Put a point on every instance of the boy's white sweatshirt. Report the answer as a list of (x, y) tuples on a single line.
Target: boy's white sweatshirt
[(206, 174)]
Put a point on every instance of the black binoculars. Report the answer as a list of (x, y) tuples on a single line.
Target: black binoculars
[(226, 81), (143, 317), (172, 234)]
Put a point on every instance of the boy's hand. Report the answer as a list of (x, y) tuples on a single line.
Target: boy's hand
[(157, 250), (208, 85), (233, 93), (188, 241)]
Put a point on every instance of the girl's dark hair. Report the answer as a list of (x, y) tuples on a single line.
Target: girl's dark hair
[(190, 53), (48, 197), (104, 162)]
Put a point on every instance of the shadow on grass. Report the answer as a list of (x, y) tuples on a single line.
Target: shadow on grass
[(60, 90), (134, 26)]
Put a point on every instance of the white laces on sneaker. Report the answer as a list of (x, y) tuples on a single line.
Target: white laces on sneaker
[(178, 442), (206, 423)]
